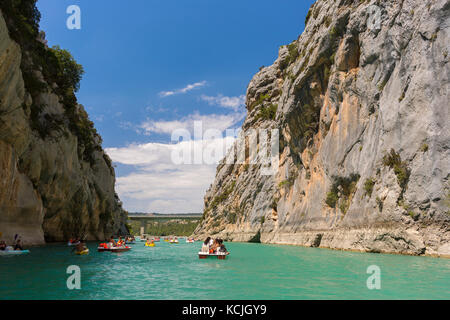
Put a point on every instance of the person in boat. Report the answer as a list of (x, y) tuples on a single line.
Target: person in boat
[(221, 249), (148, 242), (2, 245), (18, 245), (111, 243), (215, 245), (80, 247), (205, 246)]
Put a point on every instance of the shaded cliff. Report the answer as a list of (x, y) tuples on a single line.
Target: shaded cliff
[(56, 181), (362, 104)]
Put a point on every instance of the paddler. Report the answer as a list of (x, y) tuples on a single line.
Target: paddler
[(18, 245), (80, 247), (112, 243)]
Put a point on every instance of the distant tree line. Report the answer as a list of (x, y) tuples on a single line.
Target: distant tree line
[(177, 227)]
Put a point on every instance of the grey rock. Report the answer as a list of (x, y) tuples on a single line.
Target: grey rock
[(370, 77), (47, 192)]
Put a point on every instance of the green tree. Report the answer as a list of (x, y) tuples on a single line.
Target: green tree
[(70, 73)]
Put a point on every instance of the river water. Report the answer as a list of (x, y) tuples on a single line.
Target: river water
[(252, 271)]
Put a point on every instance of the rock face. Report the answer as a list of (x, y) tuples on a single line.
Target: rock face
[(361, 101), (48, 192)]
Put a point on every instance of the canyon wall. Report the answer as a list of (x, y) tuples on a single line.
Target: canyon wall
[(56, 182), (361, 102)]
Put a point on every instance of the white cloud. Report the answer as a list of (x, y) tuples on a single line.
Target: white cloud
[(234, 103), (157, 183), (211, 121), (186, 89)]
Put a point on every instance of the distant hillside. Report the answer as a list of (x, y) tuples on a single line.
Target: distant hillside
[(158, 224), (142, 214)]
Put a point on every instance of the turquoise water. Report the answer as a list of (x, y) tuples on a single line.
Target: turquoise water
[(252, 271)]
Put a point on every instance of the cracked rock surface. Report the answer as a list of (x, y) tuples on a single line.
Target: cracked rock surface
[(361, 101), (47, 191)]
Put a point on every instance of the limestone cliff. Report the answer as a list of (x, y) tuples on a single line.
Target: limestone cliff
[(361, 100), (56, 182)]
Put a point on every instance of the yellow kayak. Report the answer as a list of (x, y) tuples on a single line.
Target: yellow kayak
[(149, 244), (86, 251)]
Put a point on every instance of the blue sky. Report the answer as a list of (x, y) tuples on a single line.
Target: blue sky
[(152, 66)]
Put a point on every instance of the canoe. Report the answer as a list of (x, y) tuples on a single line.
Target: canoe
[(149, 244), (86, 251), (220, 256), (13, 252), (115, 249), (190, 241)]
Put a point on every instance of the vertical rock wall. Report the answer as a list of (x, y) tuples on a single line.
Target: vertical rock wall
[(361, 100)]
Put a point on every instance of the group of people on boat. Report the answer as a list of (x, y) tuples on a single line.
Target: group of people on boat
[(17, 246), (215, 246), (120, 243)]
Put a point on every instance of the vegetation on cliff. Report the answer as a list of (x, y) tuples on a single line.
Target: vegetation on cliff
[(61, 75), (53, 148)]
